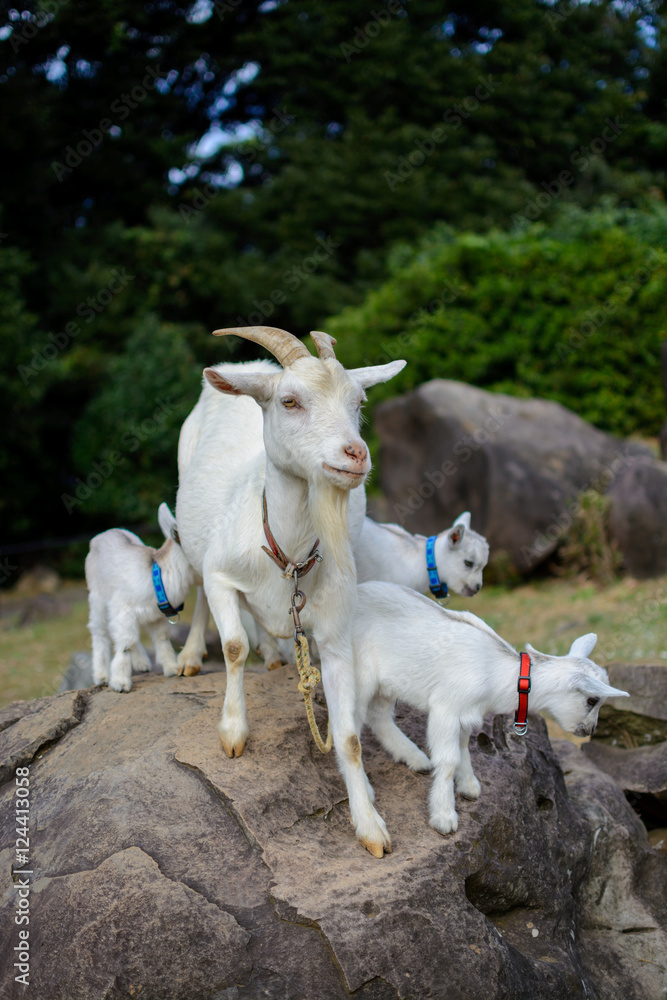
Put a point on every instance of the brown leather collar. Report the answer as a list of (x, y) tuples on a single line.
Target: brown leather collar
[(279, 557)]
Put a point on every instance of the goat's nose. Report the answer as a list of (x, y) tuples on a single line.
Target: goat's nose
[(357, 452)]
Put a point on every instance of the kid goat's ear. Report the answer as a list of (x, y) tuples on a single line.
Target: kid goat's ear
[(593, 685), (463, 519), (456, 534), (583, 646)]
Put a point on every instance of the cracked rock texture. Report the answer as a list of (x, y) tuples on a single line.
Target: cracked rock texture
[(164, 871)]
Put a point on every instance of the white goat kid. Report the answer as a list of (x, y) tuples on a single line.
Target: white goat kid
[(453, 666), (301, 449), (390, 553), (121, 600)]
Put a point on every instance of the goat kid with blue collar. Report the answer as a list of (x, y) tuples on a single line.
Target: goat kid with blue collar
[(453, 666), (453, 560), (132, 585)]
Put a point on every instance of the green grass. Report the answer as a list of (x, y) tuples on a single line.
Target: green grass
[(629, 616)]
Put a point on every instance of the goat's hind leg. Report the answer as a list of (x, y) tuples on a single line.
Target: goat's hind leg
[(98, 627), (126, 636), (381, 720), (193, 652)]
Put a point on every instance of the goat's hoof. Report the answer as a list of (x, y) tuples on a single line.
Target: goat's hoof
[(376, 847), (189, 669), (469, 789), (274, 664), (446, 825), (233, 748)]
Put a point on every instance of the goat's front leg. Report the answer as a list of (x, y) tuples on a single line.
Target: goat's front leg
[(443, 739), (339, 688), (464, 777), (191, 656), (224, 601)]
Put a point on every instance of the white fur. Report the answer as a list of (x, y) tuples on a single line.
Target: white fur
[(121, 599), (381, 552), (452, 665), (309, 459), (389, 552)]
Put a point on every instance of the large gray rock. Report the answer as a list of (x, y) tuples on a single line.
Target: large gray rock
[(517, 464), (642, 717), (621, 915), (638, 517), (161, 869)]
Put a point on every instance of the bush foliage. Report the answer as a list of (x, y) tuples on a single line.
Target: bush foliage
[(574, 312)]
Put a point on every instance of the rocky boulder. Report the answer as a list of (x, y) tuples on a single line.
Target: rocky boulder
[(638, 517), (517, 464), (160, 869)]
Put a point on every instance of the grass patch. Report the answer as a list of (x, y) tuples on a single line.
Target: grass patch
[(629, 616)]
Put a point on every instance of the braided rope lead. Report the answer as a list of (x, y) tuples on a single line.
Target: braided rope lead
[(310, 678)]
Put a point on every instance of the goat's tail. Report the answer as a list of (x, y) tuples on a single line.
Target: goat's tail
[(167, 522)]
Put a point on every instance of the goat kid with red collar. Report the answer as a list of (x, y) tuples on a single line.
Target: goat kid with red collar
[(453, 666)]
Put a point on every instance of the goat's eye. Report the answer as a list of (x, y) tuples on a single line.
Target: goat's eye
[(289, 403), (468, 563), (592, 702)]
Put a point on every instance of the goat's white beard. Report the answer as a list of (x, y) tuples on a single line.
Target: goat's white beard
[(328, 506)]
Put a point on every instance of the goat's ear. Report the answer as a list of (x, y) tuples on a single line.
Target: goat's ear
[(167, 522), (584, 645), (456, 534), (377, 373), (593, 685), (259, 385), (463, 519)]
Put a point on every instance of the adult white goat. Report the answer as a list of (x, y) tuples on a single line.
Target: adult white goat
[(304, 456), (122, 599)]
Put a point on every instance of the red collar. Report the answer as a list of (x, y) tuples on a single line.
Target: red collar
[(523, 687), (277, 554)]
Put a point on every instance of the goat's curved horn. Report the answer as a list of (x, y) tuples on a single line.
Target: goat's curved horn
[(324, 344), (284, 346)]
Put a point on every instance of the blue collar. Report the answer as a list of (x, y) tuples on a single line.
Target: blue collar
[(161, 594), (436, 585)]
